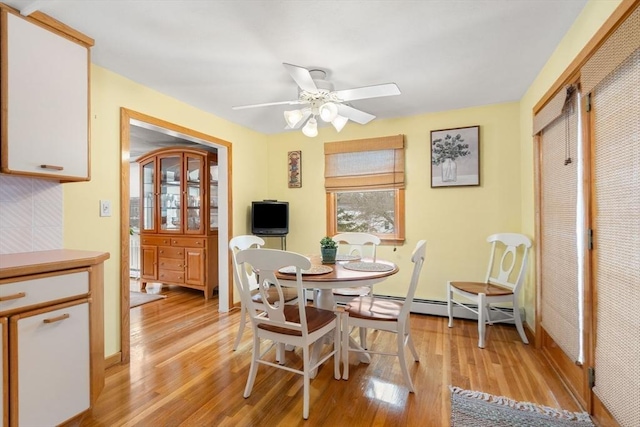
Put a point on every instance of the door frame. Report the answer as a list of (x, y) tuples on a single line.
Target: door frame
[(225, 290)]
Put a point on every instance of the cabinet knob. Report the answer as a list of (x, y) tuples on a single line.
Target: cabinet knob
[(198, 243)]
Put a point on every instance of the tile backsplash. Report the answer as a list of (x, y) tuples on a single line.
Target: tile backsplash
[(31, 214)]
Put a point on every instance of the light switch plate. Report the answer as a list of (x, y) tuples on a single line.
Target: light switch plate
[(105, 208)]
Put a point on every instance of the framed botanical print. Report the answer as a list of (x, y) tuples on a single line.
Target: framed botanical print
[(455, 157), (295, 169)]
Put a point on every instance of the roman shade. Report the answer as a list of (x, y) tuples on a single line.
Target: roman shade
[(364, 164), (614, 51), (550, 112), (616, 100), (561, 288)]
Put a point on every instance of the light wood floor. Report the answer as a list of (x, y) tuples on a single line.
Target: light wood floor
[(183, 372)]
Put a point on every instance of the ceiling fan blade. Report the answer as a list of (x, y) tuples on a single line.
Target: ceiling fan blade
[(355, 115), (242, 107), (375, 91), (301, 76)]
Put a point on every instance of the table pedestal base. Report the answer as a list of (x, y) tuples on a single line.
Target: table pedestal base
[(323, 298)]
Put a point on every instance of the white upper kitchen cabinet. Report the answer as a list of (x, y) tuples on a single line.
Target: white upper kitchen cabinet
[(45, 98)]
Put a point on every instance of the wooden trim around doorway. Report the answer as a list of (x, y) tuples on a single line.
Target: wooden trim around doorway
[(126, 116)]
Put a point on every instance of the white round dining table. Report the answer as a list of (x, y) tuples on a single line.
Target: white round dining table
[(338, 277), (323, 283)]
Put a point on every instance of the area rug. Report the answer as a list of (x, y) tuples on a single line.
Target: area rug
[(139, 298), (477, 409)]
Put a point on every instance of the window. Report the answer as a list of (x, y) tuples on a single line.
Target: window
[(364, 180)]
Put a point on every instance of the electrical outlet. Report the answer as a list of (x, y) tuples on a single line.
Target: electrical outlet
[(105, 208)]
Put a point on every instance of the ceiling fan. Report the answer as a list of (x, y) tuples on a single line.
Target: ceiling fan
[(317, 98)]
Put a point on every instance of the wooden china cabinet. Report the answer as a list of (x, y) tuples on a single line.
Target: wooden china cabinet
[(179, 218)]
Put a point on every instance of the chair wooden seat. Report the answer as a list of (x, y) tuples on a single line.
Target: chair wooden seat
[(476, 288), (317, 318), (289, 295), (374, 309)]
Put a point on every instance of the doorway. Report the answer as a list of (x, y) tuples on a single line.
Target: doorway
[(138, 123)]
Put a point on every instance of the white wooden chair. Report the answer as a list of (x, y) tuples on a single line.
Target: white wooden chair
[(299, 325), (504, 287), (362, 245), (385, 315), (237, 244)]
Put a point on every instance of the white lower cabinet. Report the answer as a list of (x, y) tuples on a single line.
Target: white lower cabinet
[(50, 349), (52, 336)]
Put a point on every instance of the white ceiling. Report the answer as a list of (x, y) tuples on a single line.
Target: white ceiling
[(443, 54)]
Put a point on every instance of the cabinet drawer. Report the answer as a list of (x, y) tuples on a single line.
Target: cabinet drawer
[(171, 276), (169, 252), (172, 264), (41, 289), (155, 240), (188, 242)]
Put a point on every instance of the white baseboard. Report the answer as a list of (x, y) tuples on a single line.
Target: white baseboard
[(439, 308)]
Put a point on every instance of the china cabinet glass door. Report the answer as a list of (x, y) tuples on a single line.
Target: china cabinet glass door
[(170, 200), (148, 202), (193, 194), (213, 195)]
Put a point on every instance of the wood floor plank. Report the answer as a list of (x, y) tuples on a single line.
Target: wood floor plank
[(184, 372)]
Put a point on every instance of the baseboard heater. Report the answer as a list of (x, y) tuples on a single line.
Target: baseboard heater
[(439, 308)]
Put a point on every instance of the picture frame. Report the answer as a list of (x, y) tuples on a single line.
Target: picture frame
[(455, 157), (294, 165)]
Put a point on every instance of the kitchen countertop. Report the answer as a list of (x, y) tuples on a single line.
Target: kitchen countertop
[(26, 263)]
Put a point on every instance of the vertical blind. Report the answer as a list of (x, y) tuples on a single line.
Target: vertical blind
[(616, 101), (561, 291), (364, 164)]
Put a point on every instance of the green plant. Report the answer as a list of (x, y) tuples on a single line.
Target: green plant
[(451, 148), (328, 243)]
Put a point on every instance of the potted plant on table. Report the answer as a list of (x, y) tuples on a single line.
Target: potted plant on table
[(328, 250)]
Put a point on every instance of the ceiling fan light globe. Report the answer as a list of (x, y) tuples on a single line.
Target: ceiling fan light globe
[(339, 122), (311, 128), (292, 117), (328, 111)]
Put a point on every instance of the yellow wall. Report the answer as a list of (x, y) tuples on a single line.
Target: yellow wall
[(84, 229), (586, 25), (454, 221)]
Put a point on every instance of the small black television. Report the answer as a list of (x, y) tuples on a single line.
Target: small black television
[(270, 218)]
